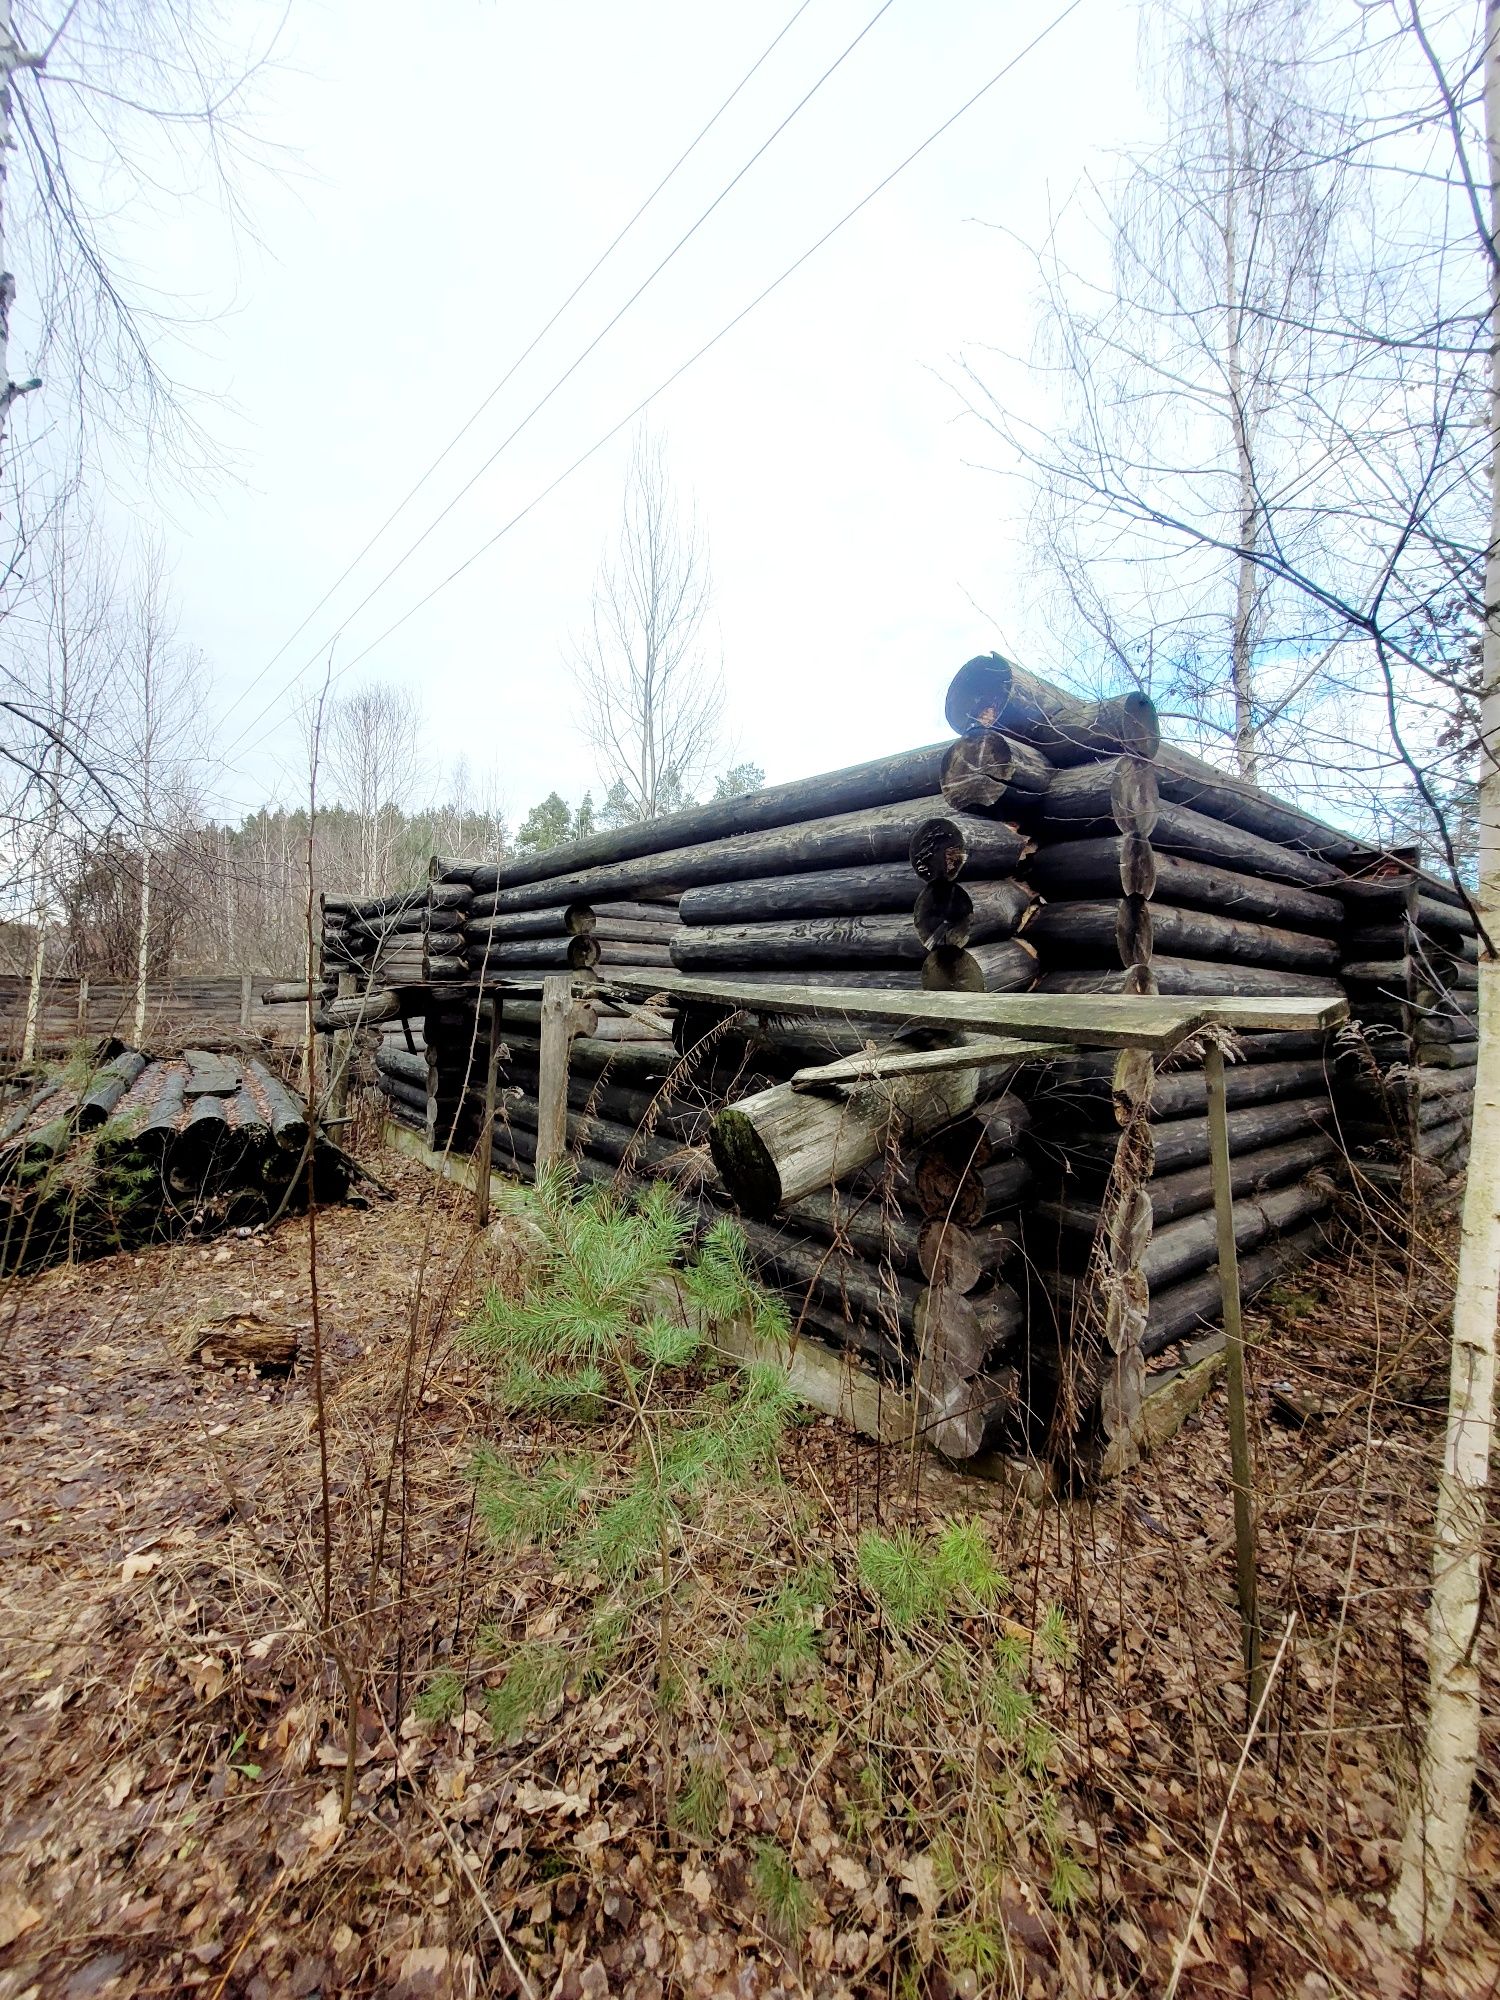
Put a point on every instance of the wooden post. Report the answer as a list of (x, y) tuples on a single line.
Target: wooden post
[(552, 1070), (83, 1005), (1234, 1359), (486, 1146), (340, 1056), (247, 997)]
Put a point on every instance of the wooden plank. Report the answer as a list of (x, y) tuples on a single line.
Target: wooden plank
[(978, 1054), (552, 1075), (1100, 1020), (485, 1148)]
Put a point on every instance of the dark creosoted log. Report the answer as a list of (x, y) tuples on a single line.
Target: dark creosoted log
[(554, 954), (780, 1144), (1183, 1248), (911, 774), (1183, 1142), (1131, 865), (960, 913), (986, 772), (108, 1087), (613, 931), (647, 955), (885, 1298), (1180, 830), (563, 920), (885, 886), (874, 1230), (1118, 795), (661, 911), (991, 692), (806, 941), (1178, 1093), (944, 847), (1186, 1192), (157, 1129), (1187, 781), (1181, 1310), (1188, 978), (1008, 966), (393, 1060), (403, 1092), (845, 840), (1082, 931)]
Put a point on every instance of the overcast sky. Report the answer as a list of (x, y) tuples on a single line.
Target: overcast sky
[(456, 171)]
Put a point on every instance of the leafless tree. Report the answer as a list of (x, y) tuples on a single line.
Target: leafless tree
[(371, 741), (650, 698)]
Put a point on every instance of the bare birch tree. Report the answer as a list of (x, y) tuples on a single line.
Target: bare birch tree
[(650, 697), (371, 741)]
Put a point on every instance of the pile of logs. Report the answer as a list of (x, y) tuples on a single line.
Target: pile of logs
[(1411, 969), (992, 1239), (135, 1150), (414, 938)]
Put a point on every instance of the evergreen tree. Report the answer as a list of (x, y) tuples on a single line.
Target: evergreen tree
[(546, 825)]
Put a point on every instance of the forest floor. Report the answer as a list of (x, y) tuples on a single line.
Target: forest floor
[(1021, 1797)]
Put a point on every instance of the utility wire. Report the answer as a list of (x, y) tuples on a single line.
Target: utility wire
[(568, 372), (707, 347), (609, 250)]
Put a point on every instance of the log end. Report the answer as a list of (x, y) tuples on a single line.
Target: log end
[(745, 1163), (978, 693)]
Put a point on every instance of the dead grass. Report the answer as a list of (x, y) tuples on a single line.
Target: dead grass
[(176, 1740)]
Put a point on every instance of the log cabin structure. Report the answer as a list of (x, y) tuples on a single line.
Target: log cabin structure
[(1025, 1242)]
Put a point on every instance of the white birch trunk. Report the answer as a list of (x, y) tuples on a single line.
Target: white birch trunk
[(34, 990), (142, 947), (12, 58), (1432, 1853), (1247, 580)]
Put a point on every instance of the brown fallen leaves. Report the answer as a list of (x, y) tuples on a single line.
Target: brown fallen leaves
[(176, 1733)]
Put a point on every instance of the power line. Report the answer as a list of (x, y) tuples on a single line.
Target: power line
[(694, 358), (580, 358), (405, 501)]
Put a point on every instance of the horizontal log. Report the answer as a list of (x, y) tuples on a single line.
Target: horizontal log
[(633, 1028), (663, 912), (1187, 781), (612, 931), (1202, 978), (884, 1299), (360, 1010), (1008, 966), (991, 692), (1187, 1192), (1117, 796), (400, 1062), (951, 844), (1455, 1055), (1082, 930), (885, 886), (874, 1227), (1181, 1310), (555, 954), (619, 954), (1180, 830), (878, 979), (820, 941), (1182, 1249), (911, 774), (563, 920), (404, 1091), (988, 772), (1440, 1140), (967, 913), (1183, 1142), (1069, 1088)]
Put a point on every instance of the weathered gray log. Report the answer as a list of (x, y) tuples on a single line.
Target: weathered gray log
[(1440, 1140), (991, 692), (845, 840), (1008, 966), (960, 1258), (990, 1192), (823, 941), (973, 1417), (1117, 796), (363, 1010), (826, 892), (892, 978), (210, 1074), (954, 1331), (948, 845), (1187, 781), (1187, 977), (1455, 1055), (633, 1028), (877, 1231), (563, 920), (780, 1144), (968, 913), (108, 1087), (34, 1102), (291, 992), (985, 771), (1082, 930), (911, 774)]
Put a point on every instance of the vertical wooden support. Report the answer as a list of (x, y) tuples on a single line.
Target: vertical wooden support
[(1234, 1358), (552, 1068), (83, 1005), (488, 1011), (341, 1055), (247, 998)]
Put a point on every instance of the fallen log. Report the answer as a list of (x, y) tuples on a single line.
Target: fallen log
[(108, 1087), (991, 692), (781, 1144)]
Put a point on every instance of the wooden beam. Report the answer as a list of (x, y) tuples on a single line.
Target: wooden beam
[(1234, 1359), (1098, 1020), (552, 1071), (977, 1054), (486, 1146)]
